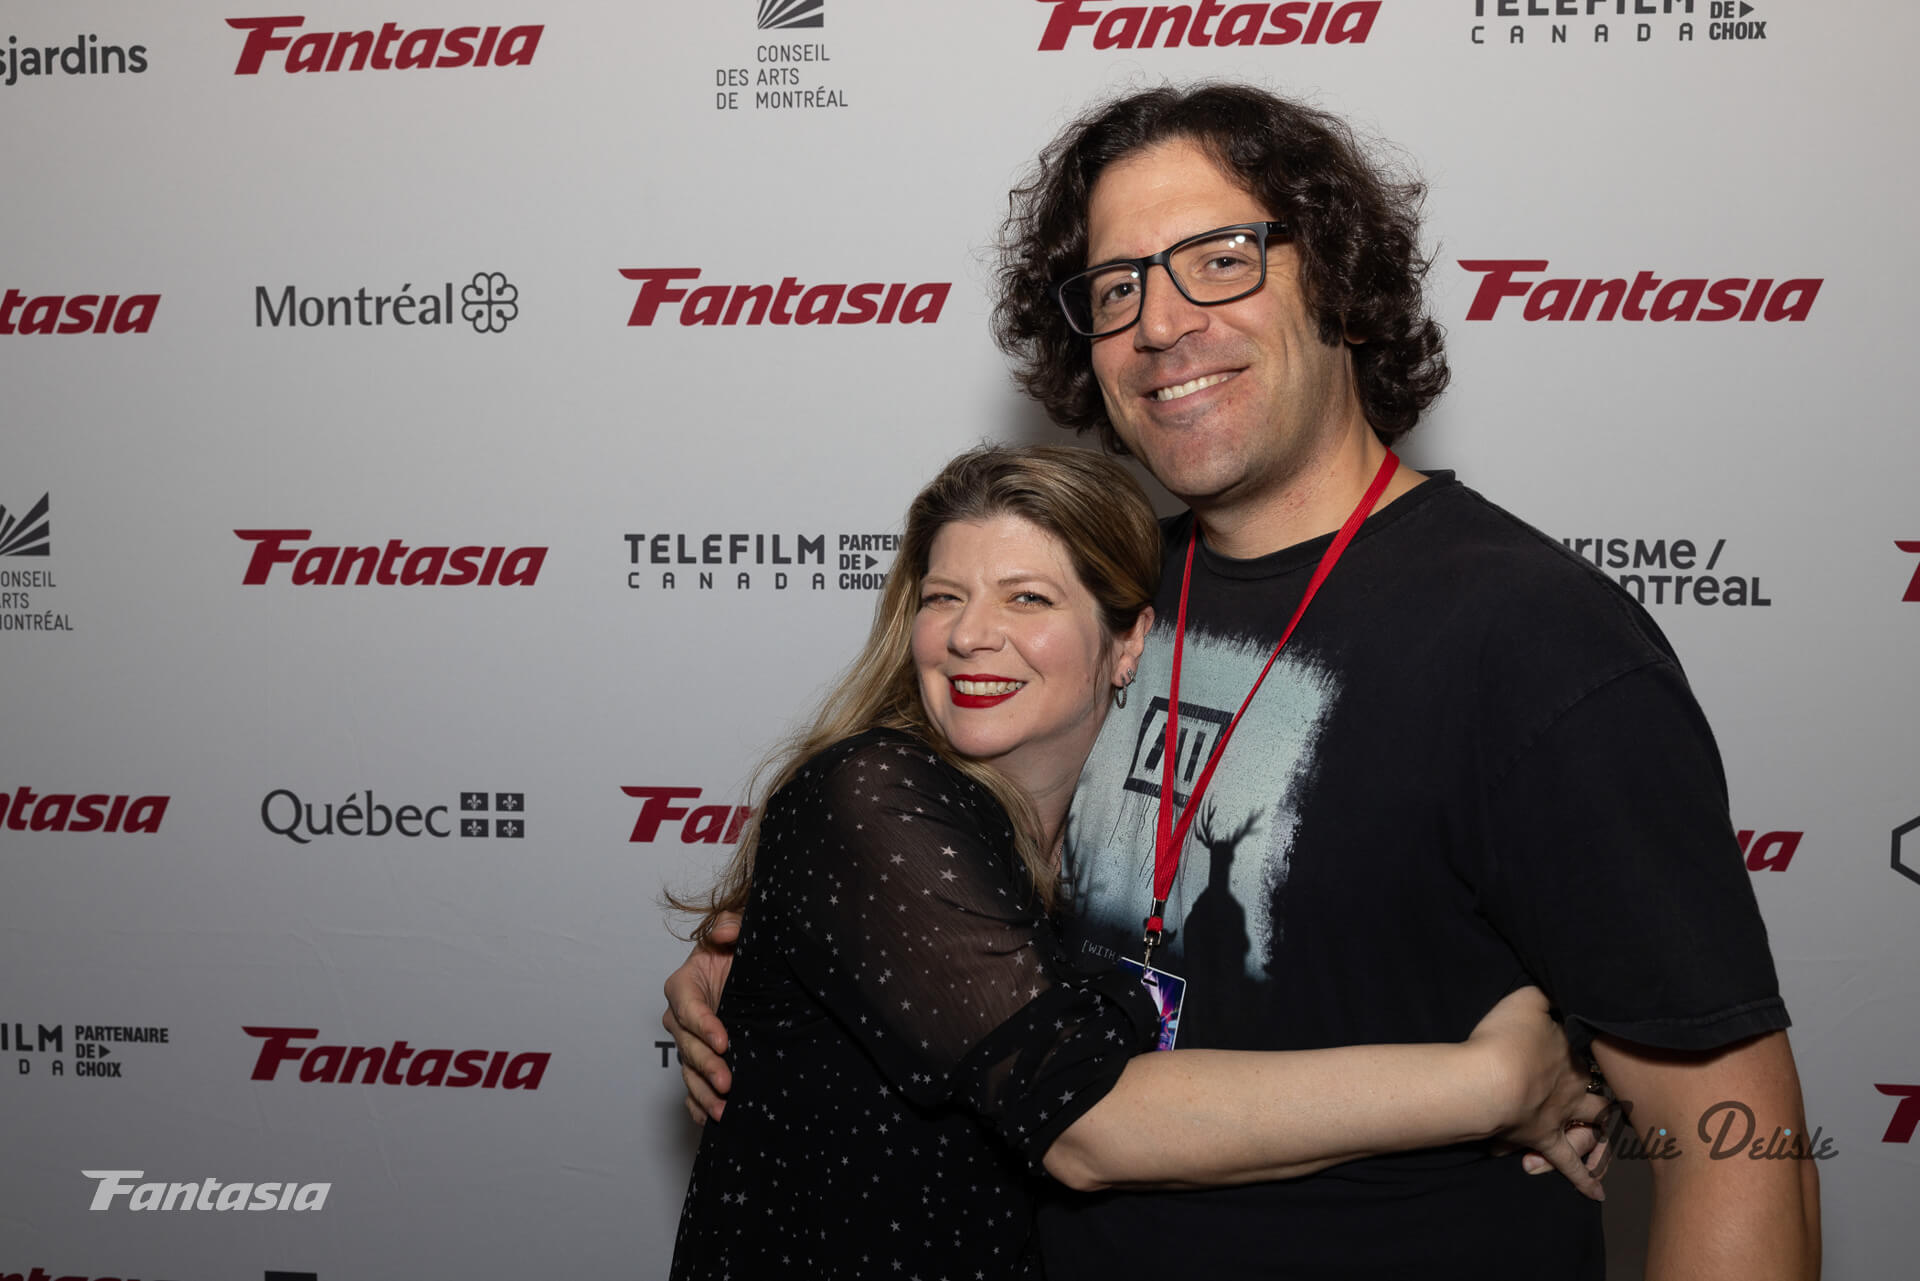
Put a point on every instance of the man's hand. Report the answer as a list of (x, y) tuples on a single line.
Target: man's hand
[(693, 993), (1542, 1091)]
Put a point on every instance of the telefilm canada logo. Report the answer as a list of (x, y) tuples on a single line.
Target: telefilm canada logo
[(1519, 23), (396, 1064), (1673, 571), (202, 1194), (394, 563), (86, 56), (782, 74), (281, 44), (1643, 297), (365, 815), (93, 1051), (488, 303), (788, 303), (743, 561), (1100, 24), (662, 807), (26, 538), (76, 313)]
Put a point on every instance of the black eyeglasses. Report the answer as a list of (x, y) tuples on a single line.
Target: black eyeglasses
[(1213, 267)]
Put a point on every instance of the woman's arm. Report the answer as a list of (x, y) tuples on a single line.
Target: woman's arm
[(1195, 1118)]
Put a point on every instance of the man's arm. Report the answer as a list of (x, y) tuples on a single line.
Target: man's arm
[(693, 994), (1718, 1211)]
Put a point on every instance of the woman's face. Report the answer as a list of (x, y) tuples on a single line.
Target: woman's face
[(1014, 662)]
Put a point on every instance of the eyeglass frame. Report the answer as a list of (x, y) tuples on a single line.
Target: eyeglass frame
[(1163, 259)]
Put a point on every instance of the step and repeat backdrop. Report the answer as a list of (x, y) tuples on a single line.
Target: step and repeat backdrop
[(446, 441)]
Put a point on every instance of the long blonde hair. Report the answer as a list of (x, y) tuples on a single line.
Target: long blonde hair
[(1103, 520)]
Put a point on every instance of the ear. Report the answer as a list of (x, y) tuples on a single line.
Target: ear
[(1129, 645)]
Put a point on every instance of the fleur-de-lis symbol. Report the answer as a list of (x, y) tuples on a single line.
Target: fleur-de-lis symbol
[(490, 303)]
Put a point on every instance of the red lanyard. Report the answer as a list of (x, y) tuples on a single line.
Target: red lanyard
[(1169, 838)]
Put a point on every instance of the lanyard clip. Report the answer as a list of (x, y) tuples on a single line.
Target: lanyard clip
[(1155, 931)]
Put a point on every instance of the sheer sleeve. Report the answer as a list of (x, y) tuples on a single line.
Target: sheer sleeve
[(910, 920)]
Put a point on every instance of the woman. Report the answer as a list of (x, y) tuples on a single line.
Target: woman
[(910, 1039)]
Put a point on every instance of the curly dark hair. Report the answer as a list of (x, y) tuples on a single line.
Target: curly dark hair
[(1355, 225)]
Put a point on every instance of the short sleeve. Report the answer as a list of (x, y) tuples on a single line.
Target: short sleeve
[(913, 925), (1614, 872)]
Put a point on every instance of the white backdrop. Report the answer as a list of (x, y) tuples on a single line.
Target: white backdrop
[(516, 407)]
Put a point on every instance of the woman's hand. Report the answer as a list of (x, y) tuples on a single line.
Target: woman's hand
[(693, 993), (1546, 1105)]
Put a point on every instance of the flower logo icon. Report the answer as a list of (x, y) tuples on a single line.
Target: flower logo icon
[(490, 303)]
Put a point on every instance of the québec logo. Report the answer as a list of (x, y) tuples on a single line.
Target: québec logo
[(1906, 1116), (206, 1194), (781, 14), (394, 565), (1768, 851), (76, 314), (283, 813), (381, 1065), (788, 303), (390, 48), (1168, 26), (26, 810), (708, 824), (29, 535), (1645, 297)]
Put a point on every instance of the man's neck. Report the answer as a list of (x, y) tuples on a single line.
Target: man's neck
[(1317, 500)]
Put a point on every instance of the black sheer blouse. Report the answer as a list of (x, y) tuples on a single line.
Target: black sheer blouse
[(907, 1035)]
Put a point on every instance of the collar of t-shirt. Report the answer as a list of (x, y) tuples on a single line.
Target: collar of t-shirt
[(1304, 555)]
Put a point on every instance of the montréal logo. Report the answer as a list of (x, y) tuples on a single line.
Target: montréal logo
[(1645, 297), (788, 303), (393, 565), (390, 48), (284, 813), (25, 810), (29, 535), (381, 1065), (1168, 26), (489, 302), (709, 824), (206, 1194), (780, 14), (76, 314), (86, 56)]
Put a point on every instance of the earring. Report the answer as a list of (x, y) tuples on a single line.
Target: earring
[(1120, 693)]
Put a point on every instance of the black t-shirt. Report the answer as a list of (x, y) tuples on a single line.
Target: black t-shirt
[(1476, 764), (906, 1035)]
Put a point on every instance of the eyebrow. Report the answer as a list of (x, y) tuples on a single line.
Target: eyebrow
[(1007, 581)]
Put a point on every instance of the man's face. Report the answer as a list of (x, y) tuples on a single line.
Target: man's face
[(1225, 405)]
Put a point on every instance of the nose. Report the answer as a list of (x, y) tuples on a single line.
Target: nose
[(975, 629), (1165, 314)]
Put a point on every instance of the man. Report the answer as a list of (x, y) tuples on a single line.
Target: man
[(1476, 758)]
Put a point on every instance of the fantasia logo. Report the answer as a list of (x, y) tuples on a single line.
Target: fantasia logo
[(387, 49), (1906, 852), (1168, 26), (380, 1065), (396, 564), (1913, 584), (1645, 297), (1768, 851), (27, 810), (207, 1194), (789, 303), (489, 302), (1906, 1116), (83, 313), (780, 14), (28, 535), (711, 824)]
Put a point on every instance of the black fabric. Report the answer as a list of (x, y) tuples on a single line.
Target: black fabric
[(1476, 764), (906, 1035)]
